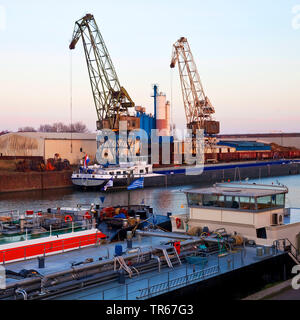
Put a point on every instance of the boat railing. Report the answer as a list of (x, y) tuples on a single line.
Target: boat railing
[(286, 245), (13, 214), (43, 249), (164, 282)]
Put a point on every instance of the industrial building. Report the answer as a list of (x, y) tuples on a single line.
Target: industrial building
[(71, 146), (280, 138), (245, 145)]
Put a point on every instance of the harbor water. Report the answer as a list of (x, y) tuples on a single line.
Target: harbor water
[(163, 200)]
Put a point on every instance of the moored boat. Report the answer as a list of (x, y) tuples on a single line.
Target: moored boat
[(98, 175)]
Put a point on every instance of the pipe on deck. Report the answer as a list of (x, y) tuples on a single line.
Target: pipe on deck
[(165, 235)]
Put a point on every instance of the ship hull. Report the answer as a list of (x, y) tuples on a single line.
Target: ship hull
[(28, 249)]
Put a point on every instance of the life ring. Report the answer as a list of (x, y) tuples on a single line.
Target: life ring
[(68, 218), (87, 215), (178, 223)]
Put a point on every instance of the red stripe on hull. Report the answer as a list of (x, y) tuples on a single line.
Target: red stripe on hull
[(49, 247)]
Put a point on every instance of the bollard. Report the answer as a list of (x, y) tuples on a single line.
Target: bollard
[(129, 243), (267, 250), (121, 276), (41, 262), (259, 251), (138, 219), (229, 263), (129, 239)]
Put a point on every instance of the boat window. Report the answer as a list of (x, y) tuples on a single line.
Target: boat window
[(252, 203), (210, 200), (220, 201), (118, 172), (124, 172), (247, 203), (194, 199), (279, 200), (265, 202), (232, 202), (142, 171), (112, 173)]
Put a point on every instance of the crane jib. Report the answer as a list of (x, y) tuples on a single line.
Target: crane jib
[(110, 98)]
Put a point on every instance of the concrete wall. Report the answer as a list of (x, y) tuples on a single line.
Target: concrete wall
[(25, 181)]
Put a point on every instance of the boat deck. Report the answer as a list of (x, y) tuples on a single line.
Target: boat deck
[(143, 285), (154, 283)]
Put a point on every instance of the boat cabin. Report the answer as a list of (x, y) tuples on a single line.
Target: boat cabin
[(255, 211)]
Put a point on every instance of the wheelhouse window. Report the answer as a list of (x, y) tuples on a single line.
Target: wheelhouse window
[(247, 203), (279, 200), (221, 201), (210, 200), (194, 199)]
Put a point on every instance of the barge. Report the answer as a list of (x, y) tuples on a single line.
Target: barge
[(35, 234), (196, 257)]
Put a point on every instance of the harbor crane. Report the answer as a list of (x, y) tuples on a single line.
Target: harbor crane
[(198, 108), (111, 99)]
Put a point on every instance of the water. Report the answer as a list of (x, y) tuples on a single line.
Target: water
[(163, 200)]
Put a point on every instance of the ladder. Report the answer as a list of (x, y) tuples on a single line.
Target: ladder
[(164, 250), (286, 245)]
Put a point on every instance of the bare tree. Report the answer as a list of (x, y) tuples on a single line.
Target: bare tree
[(79, 127), (26, 129), (61, 127)]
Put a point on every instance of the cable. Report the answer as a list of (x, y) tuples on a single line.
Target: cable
[(171, 101), (71, 102)]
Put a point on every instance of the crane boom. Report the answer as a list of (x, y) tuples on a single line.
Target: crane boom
[(198, 108), (111, 100)]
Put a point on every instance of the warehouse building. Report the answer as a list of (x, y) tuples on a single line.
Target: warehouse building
[(71, 146), (240, 146), (282, 139)]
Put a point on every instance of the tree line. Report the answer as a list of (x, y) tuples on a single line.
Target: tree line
[(57, 127)]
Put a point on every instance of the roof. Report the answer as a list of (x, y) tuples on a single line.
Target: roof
[(245, 145), (241, 189), (55, 135), (260, 135)]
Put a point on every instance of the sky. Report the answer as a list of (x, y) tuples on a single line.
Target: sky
[(247, 54)]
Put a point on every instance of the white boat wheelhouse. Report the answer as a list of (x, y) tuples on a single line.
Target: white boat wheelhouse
[(257, 212)]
